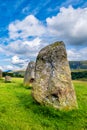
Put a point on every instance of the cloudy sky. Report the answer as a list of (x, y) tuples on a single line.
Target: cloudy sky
[(26, 26)]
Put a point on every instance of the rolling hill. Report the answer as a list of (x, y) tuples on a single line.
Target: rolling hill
[(78, 65)]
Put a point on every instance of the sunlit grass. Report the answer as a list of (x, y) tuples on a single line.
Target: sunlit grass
[(19, 111)]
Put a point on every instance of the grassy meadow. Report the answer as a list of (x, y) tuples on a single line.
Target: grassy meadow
[(19, 111)]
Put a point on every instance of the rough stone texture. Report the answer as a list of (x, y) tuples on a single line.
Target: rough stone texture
[(29, 74), (0, 73), (53, 84), (8, 79)]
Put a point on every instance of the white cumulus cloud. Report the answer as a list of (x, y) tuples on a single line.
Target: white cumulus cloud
[(69, 25), (6, 67), (17, 60), (30, 26), (24, 47), (74, 54), (1, 68)]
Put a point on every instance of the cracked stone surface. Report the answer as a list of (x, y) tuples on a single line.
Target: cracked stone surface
[(29, 74), (0, 73), (53, 85)]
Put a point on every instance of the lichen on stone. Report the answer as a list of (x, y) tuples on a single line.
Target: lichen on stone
[(53, 85)]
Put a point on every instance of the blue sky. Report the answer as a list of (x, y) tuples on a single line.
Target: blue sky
[(28, 25)]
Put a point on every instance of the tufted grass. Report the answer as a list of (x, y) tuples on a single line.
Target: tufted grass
[(18, 110)]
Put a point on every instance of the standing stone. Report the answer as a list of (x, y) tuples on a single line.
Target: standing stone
[(53, 86), (7, 78), (29, 74), (0, 73)]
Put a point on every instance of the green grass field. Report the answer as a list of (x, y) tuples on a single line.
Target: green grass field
[(18, 110)]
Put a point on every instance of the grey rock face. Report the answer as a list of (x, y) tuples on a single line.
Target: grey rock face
[(29, 74), (53, 84), (8, 79), (0, 74)]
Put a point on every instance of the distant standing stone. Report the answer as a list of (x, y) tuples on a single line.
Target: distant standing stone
[(53, 85), (0, 73), (29, 74), (8, 79)]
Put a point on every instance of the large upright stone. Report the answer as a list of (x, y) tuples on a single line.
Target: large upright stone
[(0, 73), (53, 84), (29, 74)]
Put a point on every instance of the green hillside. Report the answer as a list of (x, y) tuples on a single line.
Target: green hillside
[(78, 65)]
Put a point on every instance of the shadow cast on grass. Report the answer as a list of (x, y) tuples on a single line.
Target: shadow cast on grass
[(29, 104)]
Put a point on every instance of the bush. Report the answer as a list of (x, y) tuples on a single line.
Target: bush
[(79, 75)]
